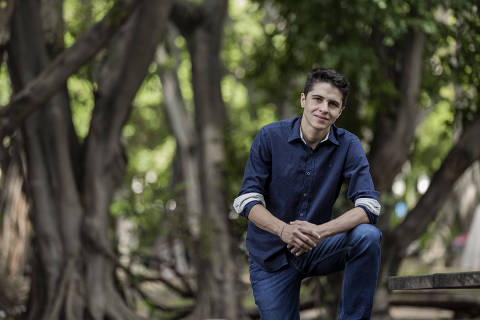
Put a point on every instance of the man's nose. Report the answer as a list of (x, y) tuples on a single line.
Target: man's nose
[(323, 106)]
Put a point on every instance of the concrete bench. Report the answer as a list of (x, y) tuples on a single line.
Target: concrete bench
[(453, 280)]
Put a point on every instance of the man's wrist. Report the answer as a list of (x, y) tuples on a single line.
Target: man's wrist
[(280, 229), (322, 230)]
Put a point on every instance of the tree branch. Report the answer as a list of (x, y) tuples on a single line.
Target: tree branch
[(38, 91), (461, 156), (185, 293), (181, 311), (172, 267)]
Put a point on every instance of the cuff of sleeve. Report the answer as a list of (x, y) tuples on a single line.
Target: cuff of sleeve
[(372, 218), (248, 207)]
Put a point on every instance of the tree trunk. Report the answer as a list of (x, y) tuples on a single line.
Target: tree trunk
[(202, 26), (182, 125), (183, 129), (471, 253), (397, 122), (73, 264), (121, 76)]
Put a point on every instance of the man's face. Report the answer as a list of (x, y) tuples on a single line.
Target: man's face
[(322, 106)]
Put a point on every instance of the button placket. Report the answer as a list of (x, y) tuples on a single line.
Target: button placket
[(307, 186)]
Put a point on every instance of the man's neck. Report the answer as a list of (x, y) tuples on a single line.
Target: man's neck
[(311, 136)]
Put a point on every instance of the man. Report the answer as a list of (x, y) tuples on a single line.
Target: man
[(292, 179)]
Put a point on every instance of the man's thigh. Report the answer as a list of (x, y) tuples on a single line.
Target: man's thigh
[(276, 293), (332, 253)]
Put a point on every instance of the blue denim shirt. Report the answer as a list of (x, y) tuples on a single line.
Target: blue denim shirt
[(295, 182)]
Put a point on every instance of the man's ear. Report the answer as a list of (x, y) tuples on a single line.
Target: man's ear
[(302, 100)]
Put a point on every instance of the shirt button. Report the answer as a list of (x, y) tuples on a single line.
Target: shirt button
[(305, 194), (308, 173), (301, 214)]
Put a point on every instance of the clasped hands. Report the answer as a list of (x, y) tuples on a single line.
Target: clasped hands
[(300, 236)]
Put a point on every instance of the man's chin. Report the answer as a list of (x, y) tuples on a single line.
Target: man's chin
[(321, 127)]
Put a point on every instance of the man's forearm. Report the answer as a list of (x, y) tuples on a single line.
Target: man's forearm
[(343, 223), (263, 219)]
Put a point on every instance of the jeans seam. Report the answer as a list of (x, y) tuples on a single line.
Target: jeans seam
[(345, 249)]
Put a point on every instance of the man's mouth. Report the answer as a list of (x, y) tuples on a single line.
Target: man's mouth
[(321, 118)]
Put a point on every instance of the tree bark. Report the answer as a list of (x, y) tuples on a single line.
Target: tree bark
[(27, 56), (15, 228), (202, 26), (471, 256)]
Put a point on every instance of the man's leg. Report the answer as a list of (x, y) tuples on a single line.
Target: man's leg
[(358, 252), (276, 293)]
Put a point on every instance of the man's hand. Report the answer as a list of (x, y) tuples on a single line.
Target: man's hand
[(299, 237), (307, 229)]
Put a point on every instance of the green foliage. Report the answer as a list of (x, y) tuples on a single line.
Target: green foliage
[(185, 73), (5, 85), (81, 104), (81, 15)]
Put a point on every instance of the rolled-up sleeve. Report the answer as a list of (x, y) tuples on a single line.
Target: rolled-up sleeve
[(256, 176), (360, 188)]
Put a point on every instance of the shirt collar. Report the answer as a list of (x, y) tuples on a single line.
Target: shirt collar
[(324, 139), (296, 133)]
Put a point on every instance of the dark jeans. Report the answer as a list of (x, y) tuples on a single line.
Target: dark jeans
[(357, 251)]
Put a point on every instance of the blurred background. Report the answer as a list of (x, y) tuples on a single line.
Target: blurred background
[(126, 126)]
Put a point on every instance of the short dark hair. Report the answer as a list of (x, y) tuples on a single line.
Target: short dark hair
[(327, 75)]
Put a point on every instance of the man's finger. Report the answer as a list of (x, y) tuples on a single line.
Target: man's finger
[(300, 252), (306, 239), (302, 244), (311, 232), (297, 222), (296, 250)]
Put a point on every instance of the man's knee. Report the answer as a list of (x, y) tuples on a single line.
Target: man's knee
[(367, 233)]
